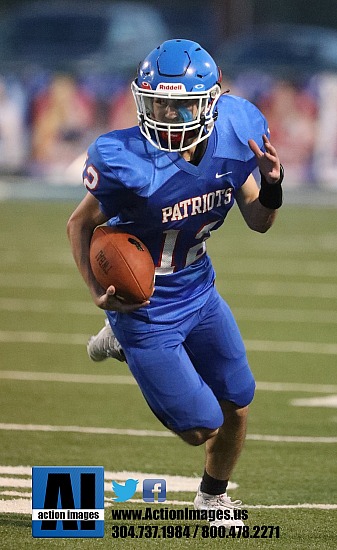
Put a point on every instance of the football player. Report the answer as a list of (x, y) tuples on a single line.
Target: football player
[(171, 181)]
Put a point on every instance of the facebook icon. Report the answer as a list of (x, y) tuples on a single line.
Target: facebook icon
[(154, 490)]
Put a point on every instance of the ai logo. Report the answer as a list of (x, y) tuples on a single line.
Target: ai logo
[(68, 501), (154, 490)]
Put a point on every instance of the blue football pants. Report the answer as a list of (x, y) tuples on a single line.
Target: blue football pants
[(186, 368)]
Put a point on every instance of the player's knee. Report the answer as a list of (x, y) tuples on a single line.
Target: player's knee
[(242, 398), (197, 436), (250, 392)]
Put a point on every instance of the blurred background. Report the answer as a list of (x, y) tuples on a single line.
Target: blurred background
[(66, 67)]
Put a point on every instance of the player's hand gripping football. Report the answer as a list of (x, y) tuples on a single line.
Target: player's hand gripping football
[(109, 301), (268, 162)]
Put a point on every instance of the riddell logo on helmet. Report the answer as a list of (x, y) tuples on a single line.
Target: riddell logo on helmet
[(165, 87)]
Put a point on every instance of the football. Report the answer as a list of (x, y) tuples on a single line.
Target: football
[(122, 260)]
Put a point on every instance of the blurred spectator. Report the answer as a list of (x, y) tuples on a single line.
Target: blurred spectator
[(120, 112), (123, 113), (253, 84), (325, 154), (62, 125), (12, 132), (292, 116)]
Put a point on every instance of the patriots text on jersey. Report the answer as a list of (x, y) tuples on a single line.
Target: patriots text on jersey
[(197, 205)]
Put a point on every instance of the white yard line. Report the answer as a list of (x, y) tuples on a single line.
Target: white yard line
[(68, 378), (279, 288), (177, 483), (295, 267), (292, 267), (73, 307), (328, 401), (295, 387), (272, 315), (154, 433), (24, 506), (274, 346), (50, 306), (85, 430), (43, 337), (129, 380), (38, 280), (20, 503), (242, 286)]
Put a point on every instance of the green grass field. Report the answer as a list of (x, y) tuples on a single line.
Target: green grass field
[(282, 287)]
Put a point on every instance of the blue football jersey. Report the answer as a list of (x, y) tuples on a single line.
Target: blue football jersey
[(172, 205)]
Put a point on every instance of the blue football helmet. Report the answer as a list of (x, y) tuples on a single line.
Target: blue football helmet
[(179, 81)]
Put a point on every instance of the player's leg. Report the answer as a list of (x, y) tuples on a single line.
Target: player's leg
[(170, 384), (216, 349), (105, 344), (223, 451)]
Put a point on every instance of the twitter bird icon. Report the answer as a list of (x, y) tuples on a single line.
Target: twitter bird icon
[(126, 491)]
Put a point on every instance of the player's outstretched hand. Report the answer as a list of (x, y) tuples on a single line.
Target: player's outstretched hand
[(268, 162), (109, 301)]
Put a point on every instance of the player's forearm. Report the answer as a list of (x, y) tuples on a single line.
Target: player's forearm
[(79, 235), (259, 205), (264, 208), (80, 227), (258, 217)]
